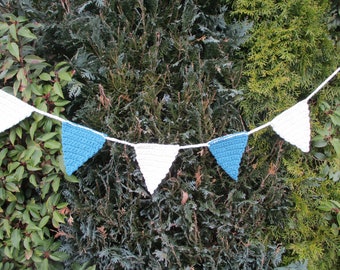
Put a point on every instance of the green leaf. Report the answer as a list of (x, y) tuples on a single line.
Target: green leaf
[(16, 238), (65, 76), (33, 180), (62, 103), (27, 241), (60, 65), (71, 178), (5, 226), (53, 144), (12, 166), (12, 136), (2, 194), (3, 154), (43, 221), (16, 86), (47, 136), (19, 173), (319, 143), (8, 252), (33, 129), (45, 77), (62, 205), (10, 74), (56, 184), (3, 28), (335, 119), (45, 189), (18, 131), (44, 264), (320, 156), (14, 50), (33, 59), (59, 256), (57, 89), (13, 32), (326, 206), (12, 187), (7, 64), (336, 204), (10, 197), (25, 32), (31, 227), (21, 74), (338, 218), (336, 144), (59, 218)]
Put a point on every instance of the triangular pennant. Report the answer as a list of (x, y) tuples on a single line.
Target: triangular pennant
[(154, 161), (228, 151), (293, 125), (12, 110), (79, 144)]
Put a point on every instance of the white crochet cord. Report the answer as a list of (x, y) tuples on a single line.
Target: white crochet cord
[(14, 110), (323, 84)]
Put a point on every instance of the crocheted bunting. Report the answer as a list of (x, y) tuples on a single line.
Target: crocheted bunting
[(293, 125), (228, 151), (154, 161), (79, 144), (12, 110)]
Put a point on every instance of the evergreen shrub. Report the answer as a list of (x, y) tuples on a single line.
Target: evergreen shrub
[(31, 173)]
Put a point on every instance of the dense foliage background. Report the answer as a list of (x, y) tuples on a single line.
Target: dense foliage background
[(180, 72)]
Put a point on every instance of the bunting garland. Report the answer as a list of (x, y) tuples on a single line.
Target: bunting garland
[(80, 143)]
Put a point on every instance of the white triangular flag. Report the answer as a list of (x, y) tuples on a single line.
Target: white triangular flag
[(12, 110), (293, 125), (154, 161)]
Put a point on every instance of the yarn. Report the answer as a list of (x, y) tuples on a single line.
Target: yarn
[(228, 151), (293, 125), (12, 110), (79, 144), (154, 161)]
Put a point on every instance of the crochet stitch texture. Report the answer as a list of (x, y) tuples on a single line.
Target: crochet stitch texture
[(12, 110), (154, 161), (293, 125), (228, 151), (79, 144)]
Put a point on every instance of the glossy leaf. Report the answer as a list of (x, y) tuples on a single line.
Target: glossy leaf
[(16, 238), (33, 59), (13, 48), (25, 32), (57, 89)]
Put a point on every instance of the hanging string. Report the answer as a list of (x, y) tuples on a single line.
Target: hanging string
[(259, 128), (193, 146), (49, 115), (323, 84), (184, 146), (120, 141)]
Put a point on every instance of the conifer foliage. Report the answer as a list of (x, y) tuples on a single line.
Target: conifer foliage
[(172, 72), (161, 73)]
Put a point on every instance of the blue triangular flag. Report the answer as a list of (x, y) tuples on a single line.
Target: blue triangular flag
[(228, 151), (79, 144)]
